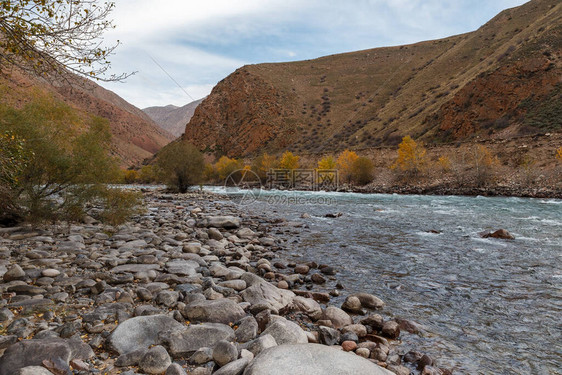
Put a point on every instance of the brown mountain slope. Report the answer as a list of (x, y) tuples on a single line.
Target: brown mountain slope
[(172, 118), (500, 81), (135, 135)]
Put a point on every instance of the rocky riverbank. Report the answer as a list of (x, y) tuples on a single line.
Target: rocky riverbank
[(192, 286)]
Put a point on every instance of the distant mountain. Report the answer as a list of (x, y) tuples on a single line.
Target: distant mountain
[(499, 82), (172, 118), (135, 135)]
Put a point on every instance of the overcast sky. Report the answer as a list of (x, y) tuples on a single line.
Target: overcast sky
[(198, 43)]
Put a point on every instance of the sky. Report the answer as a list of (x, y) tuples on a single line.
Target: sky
[(180, 49)]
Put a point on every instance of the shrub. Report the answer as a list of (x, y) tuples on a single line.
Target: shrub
[(130, 176), (483, 164), (180, 165), (362, 171), (345, 164), (119, 205), (559, 154), (147, 174), (289, 161), (411, 157), (445, 163)]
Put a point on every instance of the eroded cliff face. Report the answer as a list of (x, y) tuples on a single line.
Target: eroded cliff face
[(242, 115)]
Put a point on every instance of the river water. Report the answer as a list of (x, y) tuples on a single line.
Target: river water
[(487, 306)]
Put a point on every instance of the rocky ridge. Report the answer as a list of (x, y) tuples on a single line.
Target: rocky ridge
[(192, 286)]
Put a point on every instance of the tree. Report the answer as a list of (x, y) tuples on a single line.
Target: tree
[(56, 169), (411, 157), (49, 38), (263, 164), (327, 162), (225, 166), (483, 163), (345, 165), (289, 161), (445, 163), (559, 154), (362, 171), (180, 165)]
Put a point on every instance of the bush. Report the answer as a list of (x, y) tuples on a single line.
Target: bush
[(130, 176), (119, 205), (483, 164), (53, 168), (180, 166), (559, 154), (327, 162), (147, 174), (445, 163), (362, 171)]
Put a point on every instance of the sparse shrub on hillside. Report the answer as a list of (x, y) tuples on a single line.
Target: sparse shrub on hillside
[(412, 157), (527, 169), (362, 171), (484, 164), (559, 154), (180, 166), (345, 164), (53, 169), (289, 161)]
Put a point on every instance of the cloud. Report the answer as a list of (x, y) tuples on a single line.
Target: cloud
[(200, 42)]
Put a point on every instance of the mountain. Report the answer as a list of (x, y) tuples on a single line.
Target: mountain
[(172, 118), (499, 82), (135, 135)]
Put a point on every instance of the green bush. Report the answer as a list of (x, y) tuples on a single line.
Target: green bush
[(180, 165), (362, 171)]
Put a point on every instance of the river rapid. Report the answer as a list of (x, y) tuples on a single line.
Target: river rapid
[(485, 305)]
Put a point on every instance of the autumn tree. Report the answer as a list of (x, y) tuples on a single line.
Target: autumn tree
[(411, 157), (483, 164), (289, 161), (262, 164), (225, 166), (180, 165), (50, 38), (559, 154), (345, 164), (327, 162)]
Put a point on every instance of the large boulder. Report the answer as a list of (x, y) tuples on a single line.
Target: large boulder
[(337, 316), (285, 332), (311, 359), (33, 352), (141, 332), (369, 301), (182, 343), (215, 311), (306, 305), (262, 292), (500, 233)]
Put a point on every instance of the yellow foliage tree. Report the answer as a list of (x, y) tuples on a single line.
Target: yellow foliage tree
[(559, 154), (345, 164), (327, 162), (411, 156), (130, 176), (484, 163), (289, 161), (225, 166)]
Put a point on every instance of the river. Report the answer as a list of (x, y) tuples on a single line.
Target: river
[(486, 305)]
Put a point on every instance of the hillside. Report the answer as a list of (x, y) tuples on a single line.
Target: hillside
[(498, 82), (135, 135), (172, 118)]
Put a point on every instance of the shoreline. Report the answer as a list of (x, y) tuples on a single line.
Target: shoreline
[(189, 259)]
